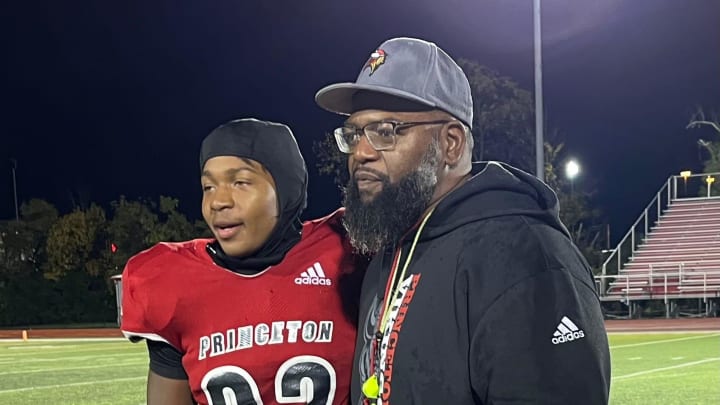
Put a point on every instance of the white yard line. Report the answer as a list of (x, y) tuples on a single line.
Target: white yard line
[(654, 342), (14, 390), (6, 351), (64, 360), (36, 347), (658, 331), (96, 339), (62, 357), (655, 370), (54, 352), (43, 370)]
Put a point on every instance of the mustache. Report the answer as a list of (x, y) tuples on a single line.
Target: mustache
[(376, 173)]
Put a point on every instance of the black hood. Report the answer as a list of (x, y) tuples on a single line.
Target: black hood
[(272, 145), (496, 190)]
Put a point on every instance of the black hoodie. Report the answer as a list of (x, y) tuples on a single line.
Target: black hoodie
[(497, 305)]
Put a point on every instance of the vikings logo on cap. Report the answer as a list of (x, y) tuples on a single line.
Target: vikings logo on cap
[(377, 58)]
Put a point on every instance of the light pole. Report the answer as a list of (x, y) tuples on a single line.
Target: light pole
[(709, 180), (539, 141), (572, 169), (684, 174), (14, 168)]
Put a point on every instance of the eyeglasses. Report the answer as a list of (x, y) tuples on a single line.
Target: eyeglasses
[(381, 135)]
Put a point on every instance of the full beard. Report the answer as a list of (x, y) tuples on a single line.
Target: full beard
[(379, 223)]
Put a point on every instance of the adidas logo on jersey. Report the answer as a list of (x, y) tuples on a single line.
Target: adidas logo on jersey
[(567, 331), (313, 276)]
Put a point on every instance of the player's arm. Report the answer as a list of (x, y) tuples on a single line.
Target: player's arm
[(167, 380), (167, 391)]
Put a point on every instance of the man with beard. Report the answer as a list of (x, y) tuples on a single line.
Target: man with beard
[(476, 293)]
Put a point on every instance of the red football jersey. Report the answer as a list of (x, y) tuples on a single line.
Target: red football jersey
[(278, 337)]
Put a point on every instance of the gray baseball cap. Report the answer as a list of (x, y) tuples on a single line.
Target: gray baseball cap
[(404, 71)]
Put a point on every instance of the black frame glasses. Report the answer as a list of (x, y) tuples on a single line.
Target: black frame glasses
[(381, 135)]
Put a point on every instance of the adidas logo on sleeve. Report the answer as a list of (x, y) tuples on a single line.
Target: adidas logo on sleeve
[(313, 276), (567, 331)]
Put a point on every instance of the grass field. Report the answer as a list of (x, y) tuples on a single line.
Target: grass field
[(673, 368), (665, 368), (72, 372)]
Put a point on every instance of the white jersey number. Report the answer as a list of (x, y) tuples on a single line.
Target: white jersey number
[(302, 379)]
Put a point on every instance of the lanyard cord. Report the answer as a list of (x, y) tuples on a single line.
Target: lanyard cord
[(370, 387), (393, 280)]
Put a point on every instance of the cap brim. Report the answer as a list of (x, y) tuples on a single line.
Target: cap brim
[(339, 98)]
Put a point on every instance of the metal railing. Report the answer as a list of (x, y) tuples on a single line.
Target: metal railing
[(648, 218), (633, 285), (696, 186), (634, 237)]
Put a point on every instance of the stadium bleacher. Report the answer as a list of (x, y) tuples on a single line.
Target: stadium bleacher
[(680, 257), (675, 255)]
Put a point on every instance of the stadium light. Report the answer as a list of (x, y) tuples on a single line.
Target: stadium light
[(572, 169), (685, 174)]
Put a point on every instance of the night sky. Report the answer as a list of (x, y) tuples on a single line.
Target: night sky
[(103, 98)]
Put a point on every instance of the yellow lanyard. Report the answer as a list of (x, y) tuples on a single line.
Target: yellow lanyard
[(371, 387), (397, 282)]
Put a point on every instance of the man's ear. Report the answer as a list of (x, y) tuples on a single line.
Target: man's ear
[(454, 143)]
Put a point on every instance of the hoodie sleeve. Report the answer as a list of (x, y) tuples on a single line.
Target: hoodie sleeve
[(540, 338)]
